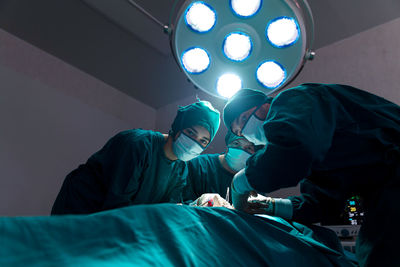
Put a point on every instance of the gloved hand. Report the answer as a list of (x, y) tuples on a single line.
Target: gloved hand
[(241, 191), (211, 200), (265, 204), (250, 203), (245, 198)]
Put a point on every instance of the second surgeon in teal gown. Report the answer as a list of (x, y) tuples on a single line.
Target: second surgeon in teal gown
[(139, 166), (213, 173), (342, 140)]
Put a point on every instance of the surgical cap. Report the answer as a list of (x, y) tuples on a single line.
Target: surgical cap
[(200, 113), (242, 101), (230, 137)]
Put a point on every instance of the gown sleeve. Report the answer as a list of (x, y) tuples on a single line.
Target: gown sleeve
[(122, 162), (196, 179), (299, 130), (176, 195)]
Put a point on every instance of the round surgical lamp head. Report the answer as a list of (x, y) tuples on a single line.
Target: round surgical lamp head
[(224, 46)]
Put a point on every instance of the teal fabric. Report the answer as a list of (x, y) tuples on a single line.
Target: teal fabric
[(130, 169), (200, 113), (164, 235), (206, 175), (343, 140), (339, 141)]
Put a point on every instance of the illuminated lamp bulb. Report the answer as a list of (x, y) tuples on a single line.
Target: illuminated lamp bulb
[(283, 32), (271, 74), (200, 17), (228, 84), (195, 60), (237, 46)]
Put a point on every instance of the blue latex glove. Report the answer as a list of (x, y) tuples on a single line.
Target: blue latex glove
[(245, 198), (241, 191)]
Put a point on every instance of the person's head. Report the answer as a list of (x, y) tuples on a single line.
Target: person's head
[(193, 129), (245, 113), (239, 150)]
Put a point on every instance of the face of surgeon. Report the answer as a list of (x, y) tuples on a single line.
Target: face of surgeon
[(238, 124), (243, 144), (199, 134)]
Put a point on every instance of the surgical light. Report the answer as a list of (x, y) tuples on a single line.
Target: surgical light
[(270, 74), (200, 17), (228, 84), (195, 60), (264, 43), (245, 8), (225, 45), (283, 32), (237, 46)]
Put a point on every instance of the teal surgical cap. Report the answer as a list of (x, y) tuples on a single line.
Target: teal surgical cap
[(230, 137), (242, 101), (200, 113)]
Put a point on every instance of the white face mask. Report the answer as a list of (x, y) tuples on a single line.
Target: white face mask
[(186, 148), (253, 130), (236, 158)]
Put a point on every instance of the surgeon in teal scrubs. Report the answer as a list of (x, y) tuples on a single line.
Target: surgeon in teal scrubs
[(337, 141), (213, 173), (139, 166)]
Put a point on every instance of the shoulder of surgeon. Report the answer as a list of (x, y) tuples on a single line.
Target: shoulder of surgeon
[(305, 90), (333, 95), (321, 89), (301, 97), (139, 138)]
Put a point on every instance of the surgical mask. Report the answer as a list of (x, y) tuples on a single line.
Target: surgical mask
[(236, 158), (254, 131), (186, 148)]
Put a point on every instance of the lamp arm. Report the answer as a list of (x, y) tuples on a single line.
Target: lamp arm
[(144, 12)]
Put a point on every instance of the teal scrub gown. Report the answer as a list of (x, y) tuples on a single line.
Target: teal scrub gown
[(130, 169), (206, 175), (338, 141)]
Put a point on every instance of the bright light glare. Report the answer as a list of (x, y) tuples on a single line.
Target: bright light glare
[(228, 84), (283, 32), (200, 17), (195, 60), (237, 46), (245, 8), (271, 74)]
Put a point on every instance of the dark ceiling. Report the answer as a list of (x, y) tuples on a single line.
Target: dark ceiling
[(112, 41)]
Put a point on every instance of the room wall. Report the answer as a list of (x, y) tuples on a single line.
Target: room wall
[(53, 117), (368, 60)]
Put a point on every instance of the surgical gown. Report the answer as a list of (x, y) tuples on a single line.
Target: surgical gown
[(206, 175), (343, 141), (130, 169)]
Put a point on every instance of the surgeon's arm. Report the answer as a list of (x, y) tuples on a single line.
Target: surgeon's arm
[(299, 130), (177, 193), (121, 163)]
